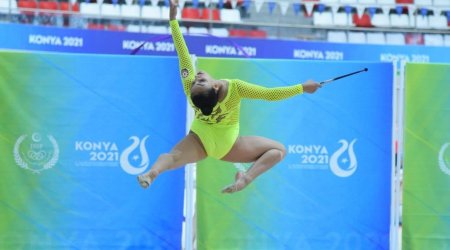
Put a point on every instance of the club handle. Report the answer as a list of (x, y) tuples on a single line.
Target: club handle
[(339, 77)]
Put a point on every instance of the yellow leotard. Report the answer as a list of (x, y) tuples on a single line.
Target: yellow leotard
[(219, 131)]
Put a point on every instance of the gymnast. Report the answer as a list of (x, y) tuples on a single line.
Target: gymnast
[(215, 129)]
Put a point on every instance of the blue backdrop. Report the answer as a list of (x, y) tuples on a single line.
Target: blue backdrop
[(103, 120), (333, 189)]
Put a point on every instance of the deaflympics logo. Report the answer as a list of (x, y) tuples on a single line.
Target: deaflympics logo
[(36, 153), (125, 156), (334, 160), (442, 161)]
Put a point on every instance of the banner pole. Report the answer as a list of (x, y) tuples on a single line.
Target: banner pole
[(401, 143), (189, 228), (394, 157)]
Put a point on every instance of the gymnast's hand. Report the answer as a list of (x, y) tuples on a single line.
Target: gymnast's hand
[(173, 9), (311, 86)]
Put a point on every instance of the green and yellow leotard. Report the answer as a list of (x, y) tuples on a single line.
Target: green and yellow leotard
[(219, 131)]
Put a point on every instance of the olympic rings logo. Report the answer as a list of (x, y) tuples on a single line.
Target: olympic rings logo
[(36, 156)]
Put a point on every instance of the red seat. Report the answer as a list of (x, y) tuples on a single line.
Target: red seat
[(48, 5), (405, 1), (95, 26), (257, 33), (415, 39), (190, 13), (238, 33), (363, 21), (65, 6), (210, 14), (115, 27), (27, 4)]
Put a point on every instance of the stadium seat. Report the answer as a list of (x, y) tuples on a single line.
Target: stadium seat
[(48, 5), (356, 37), (348, 1), (341, 19), (421, 19), (90, 9), (395, 38), (47, 12), (322, 16), (437, 21), (444, 3), (27, 12), (386, 2), (447, 40), (160, 29), (337, 37), (197, 31), (4, 6), (27, 4), (237, 33), (110, 10), (433, 39), (371, 2), (115, 27), (376, 38), (210, 14), (380, 20), (230, 15), (8, 5), (153, 12), (131, 11), (414, 39), (96, 26), (405, 1), (66, 6), (257, 33), (363, 21), (219, 32), (423, 2), (133, 28), (399, 20), (329, 1), (190, 13)]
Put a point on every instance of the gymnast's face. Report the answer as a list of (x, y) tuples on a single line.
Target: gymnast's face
[(202, 83), (204, 92)]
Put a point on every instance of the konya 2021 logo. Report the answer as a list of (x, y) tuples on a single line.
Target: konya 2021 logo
[(444, 164), (36, 152), (342, 162), (133, 159)]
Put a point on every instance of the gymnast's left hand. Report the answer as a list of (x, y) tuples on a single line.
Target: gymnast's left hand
[(311, 86)]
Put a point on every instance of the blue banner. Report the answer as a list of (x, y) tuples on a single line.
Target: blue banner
[(333, 189), (75, 132), (27, 37)]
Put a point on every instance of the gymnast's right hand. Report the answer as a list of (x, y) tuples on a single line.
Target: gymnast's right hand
[(173, 9), (311, 86)]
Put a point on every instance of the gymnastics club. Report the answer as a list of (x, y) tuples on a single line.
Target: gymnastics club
[(339, 77)]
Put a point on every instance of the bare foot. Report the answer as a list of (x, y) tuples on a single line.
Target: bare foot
[(145, 180), (241, 181)]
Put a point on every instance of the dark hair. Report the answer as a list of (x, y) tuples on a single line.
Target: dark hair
[(205, 101)]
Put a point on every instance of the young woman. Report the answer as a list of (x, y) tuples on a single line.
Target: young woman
[(215, 129)]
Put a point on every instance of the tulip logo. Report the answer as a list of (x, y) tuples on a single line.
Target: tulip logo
[(125, 163), (335, 164), (442, 161)]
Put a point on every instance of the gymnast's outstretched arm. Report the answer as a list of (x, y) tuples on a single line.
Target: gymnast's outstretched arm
[(253, 91), (186, 67)]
